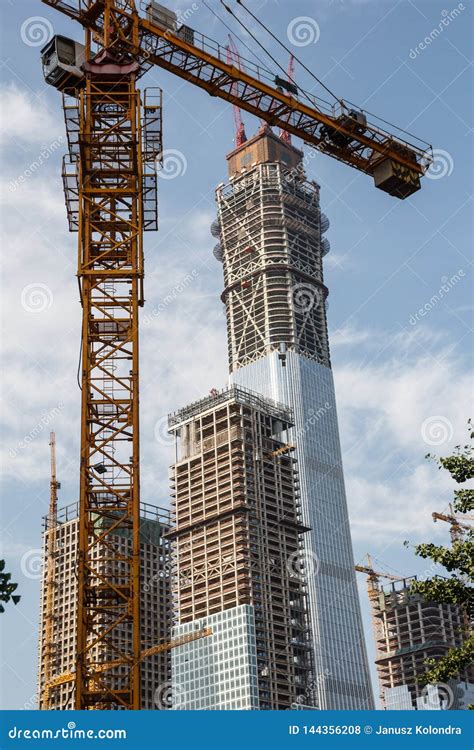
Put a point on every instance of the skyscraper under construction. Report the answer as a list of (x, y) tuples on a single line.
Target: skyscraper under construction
[(271, 243), (408, 630), (237, 546)]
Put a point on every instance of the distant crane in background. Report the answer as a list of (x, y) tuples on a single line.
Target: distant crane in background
[(373, 577), (50, 653), (110, 181), (457, 527), (373, 590)]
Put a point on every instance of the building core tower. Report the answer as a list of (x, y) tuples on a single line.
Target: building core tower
[(271, 243)]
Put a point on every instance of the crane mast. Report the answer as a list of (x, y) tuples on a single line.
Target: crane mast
[(111, 198), (110, 276), (50, 644)]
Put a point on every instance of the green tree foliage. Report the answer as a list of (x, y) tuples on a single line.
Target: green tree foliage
[(7, 588), (458, 560)]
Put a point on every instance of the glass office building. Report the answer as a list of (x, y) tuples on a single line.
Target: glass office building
[(218, 672)]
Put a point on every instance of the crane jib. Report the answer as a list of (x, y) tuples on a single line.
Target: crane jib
[(395, 164)]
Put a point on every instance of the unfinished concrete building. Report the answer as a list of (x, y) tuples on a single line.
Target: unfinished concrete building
[(407, 631), (155, 605), (272, 242), (237, 546)]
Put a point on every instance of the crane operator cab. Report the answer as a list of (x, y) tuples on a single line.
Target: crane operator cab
[(62, 59)]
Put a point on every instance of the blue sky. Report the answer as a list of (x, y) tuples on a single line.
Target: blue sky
[(402, 377)]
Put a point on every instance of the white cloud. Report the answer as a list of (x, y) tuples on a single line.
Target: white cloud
[(349, 336), (398, 507), (20, 109), (396, 403), (392, 398)]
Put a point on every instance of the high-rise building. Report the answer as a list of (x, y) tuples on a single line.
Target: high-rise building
[(408, 630), (271, 243), (237, 539), (155, 604)]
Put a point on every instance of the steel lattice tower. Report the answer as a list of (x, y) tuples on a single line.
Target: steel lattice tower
[(110, 178)]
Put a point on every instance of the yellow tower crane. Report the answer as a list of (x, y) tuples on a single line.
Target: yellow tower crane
[(109, 175), (373, 590), (373, 577)]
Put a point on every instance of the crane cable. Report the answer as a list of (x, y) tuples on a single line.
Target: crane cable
[(331, 93), (254, 54), (337, 99), (229, 10)]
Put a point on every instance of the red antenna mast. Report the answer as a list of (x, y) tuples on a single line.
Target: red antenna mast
[(233, 58), (284, 135)]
